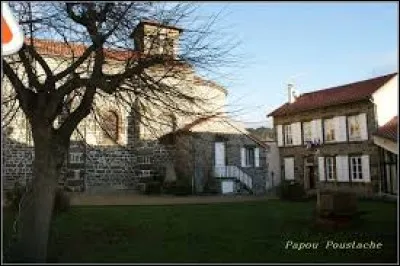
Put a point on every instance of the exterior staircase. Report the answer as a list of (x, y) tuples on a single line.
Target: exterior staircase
[(232, 171)]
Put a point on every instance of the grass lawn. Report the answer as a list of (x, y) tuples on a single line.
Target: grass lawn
[(224, 232)]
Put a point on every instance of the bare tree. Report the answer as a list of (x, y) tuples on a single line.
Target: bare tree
[(97, 58)]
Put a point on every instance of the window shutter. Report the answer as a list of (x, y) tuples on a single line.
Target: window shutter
[(296, 127), (318, 130), (365, 168), (279, 135), (342, 168), (243, 156), (257, 157), (313, 130), (321, 168), (289, 168), (340, 128), (336, 124), (363, 126)]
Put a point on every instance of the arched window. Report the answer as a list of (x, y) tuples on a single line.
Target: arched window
[(110, 125)]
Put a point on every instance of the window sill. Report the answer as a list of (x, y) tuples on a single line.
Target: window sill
[(357, 140), (360, 181)]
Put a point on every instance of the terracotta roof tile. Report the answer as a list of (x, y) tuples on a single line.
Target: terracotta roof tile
[(58, 48), (333, 96), (389, 130)]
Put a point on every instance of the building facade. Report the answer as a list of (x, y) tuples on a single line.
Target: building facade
[(325, 138), (118, 146)]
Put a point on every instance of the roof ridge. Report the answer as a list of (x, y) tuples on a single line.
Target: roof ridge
[(345, 86)]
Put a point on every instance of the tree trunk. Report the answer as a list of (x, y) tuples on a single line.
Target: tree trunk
[(37, 203)]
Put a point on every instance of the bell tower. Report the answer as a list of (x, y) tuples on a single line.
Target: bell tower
[(154, 38)]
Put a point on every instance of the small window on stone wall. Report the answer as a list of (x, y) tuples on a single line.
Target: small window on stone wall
[(144, 160)]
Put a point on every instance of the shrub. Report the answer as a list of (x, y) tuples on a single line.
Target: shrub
[(168, 187), (337, 203), (211, 187), (182, 189), (14, 196), (61, 201), (291, 190), (153, 188), (177, 188)]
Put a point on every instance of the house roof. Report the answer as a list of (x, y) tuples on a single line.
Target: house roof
[(60, 48), (347, 93), (188, 127), (389, 130)]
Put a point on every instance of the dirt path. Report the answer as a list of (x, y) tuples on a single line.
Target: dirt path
[(138, 199)]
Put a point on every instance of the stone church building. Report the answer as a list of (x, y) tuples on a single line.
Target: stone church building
[(121, 145)]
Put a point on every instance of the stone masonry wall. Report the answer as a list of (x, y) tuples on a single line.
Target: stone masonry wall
[(195, 156), (119, 167), (17, 162)]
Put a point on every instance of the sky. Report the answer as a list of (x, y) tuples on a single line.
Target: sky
[(313, 45)]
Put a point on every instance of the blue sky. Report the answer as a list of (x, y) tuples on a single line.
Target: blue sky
[(314, 45)]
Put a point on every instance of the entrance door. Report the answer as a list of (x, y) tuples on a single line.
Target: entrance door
[(220, 154), (311, 177)]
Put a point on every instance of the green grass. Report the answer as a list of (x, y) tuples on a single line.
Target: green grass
[(225, 232)]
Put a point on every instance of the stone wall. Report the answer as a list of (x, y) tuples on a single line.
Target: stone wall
[(17, 162), (195, 157), (120, 167), (101, 168)]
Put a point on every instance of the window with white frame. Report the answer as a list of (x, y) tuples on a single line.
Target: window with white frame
[(307, 131), (329, 129), (354, 128), (356, 172), (330, 168), (287, 133), (75, 157), (146, 173), (249, 155), (144, 159)]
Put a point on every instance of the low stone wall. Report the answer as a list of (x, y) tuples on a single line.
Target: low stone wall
[(102, 168), (17, 163)]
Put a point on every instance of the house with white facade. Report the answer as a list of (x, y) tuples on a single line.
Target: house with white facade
[(326, 137)]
